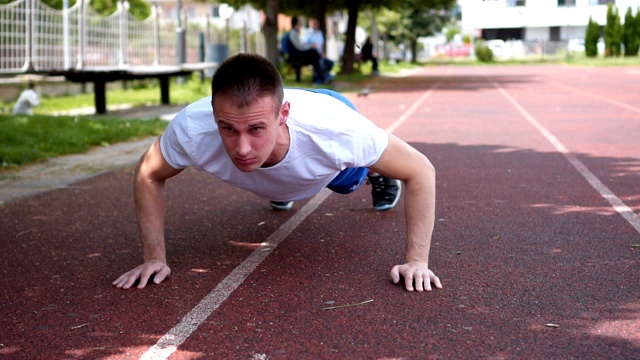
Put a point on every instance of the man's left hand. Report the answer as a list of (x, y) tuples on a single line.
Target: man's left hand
[(417, 273)]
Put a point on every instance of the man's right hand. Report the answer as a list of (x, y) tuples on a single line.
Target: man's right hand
[(143, 272)]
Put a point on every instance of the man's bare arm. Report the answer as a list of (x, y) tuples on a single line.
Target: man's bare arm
[(151, 173), (403, 162)]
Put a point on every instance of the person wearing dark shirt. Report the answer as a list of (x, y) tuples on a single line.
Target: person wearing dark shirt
[(368, 54)]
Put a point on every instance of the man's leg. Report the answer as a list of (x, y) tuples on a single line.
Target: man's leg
[(374, 66), (311, 57), (385, 192)]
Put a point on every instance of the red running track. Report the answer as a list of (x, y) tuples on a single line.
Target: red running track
[(536, 242)]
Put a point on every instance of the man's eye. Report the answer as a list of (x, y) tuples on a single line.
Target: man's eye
[(257, 129)]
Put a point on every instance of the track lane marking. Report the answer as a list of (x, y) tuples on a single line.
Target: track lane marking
[(178, 334), (396, 124), (622, 208), (598, 97)]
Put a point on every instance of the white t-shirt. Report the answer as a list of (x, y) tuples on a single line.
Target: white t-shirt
[(326, 135), (315, 37)]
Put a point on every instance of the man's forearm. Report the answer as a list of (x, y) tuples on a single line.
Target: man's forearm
[(150, 204), (420, 212)]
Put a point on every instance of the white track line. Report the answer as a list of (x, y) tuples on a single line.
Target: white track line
[(604, 191), (396, 124), (598, 97), (169, 343)]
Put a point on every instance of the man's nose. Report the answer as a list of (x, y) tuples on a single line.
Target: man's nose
[(244, 145)]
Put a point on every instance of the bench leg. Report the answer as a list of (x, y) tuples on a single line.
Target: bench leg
[(164, 89), (100, 96)]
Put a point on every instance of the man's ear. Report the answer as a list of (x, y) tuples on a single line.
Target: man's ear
[(284, 112)]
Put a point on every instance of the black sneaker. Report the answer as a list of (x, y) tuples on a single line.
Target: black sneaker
[(384, 191), (282, 205)]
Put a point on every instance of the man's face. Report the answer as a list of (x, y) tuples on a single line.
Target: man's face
[(313, 24), (250, 135)]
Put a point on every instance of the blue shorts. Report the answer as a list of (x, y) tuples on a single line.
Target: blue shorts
[(349, 179)]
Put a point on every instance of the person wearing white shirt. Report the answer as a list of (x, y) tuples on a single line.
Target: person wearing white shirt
[(315, 38), (304, 53), (283, 145)]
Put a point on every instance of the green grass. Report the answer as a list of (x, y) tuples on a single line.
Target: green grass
[(146, 92), (28, 139)]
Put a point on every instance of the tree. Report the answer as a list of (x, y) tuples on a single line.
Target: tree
[(612, 32), (348, 54), (425, 22), (631, 33), (270, 30), (413, 20), (591, 38), (319, 9), (417, 18)]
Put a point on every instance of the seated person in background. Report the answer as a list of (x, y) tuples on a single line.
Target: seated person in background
[(306, 54), (368, 54), (27, 100), (315, 37)]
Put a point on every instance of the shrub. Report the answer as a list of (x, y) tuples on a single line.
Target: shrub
[(591, 38), (484, 53), (631, 33), (612, 32)]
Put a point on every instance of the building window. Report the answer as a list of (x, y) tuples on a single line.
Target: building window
[(566, 2), (602, 2), (512, 3)]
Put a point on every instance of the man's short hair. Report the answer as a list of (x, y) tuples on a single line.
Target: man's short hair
[(294, 21), (244, 78)]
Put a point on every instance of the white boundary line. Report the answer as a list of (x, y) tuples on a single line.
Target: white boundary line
[(598, 97), (604, 191), (168, 344)]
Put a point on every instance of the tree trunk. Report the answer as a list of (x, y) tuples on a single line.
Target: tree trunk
[(414, 50), (350, 42), (385, 47), (321, 16), (270, 31)]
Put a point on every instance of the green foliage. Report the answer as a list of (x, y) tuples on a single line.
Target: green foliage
[(612, 32), (140, 9), (484, 53), (27, 139), (631, 33), (451, 33), (591, 38), (410, 21)]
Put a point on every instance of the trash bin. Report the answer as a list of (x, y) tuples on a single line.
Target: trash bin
[(216, 53)]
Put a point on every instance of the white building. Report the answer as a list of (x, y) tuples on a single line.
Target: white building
[(529, 20)]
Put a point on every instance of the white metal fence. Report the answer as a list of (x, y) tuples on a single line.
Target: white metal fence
[(35, 37)]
